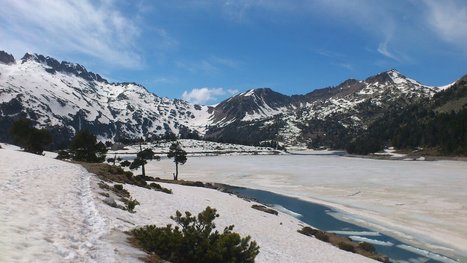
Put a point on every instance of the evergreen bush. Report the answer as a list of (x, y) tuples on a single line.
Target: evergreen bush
[(131, 204), (194, 240)]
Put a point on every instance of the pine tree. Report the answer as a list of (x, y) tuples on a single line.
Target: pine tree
[(84, 147), (29, 138), (179, 155), (141, 159)]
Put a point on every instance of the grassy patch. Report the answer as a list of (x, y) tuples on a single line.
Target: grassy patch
[(111, 173)]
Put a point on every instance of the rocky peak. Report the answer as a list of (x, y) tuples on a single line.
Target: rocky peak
[(345, 88), (264, 96), (28, 57), (63, 67), (6, 58), (381, 78), (387, 77)]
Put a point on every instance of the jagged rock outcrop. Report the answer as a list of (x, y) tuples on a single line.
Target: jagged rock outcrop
[(6, 58)]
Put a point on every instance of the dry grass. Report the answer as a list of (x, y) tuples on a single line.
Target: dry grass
[(344, 243), (265, 209)]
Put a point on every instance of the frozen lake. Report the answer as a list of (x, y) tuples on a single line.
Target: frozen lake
[(423, 203)]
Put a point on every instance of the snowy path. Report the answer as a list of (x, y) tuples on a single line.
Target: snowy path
[(47, 213)]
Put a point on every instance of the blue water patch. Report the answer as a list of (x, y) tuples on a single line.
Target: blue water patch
[(321, 217)]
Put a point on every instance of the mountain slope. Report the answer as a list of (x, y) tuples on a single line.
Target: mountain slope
[(58, 95), (439, 125)]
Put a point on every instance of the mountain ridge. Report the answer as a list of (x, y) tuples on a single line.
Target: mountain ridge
[(65, 97)]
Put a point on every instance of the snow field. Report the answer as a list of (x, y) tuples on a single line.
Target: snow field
[(51, 211)]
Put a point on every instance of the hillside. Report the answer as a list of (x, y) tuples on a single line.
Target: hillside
[(438, 126)]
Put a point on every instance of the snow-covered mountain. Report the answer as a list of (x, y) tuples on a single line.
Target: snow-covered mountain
[(63, 94), (320, 116), (65, 97)]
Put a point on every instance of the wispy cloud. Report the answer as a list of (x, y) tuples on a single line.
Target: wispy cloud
[(210, 65), (347, 66), (93, 28), (206, 95), (329, 53), (448, 19), (383, 50), (381, 19)]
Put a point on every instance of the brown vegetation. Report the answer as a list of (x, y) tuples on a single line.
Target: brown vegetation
[(344, 243)]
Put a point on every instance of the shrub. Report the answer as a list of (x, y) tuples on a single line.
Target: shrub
[(131, 204), (125, 163), (115, 169), (194, 240), (62, 155), (346, 246), (119, 187), (158, 187)]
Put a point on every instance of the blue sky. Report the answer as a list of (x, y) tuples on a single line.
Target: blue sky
[(204, 51)]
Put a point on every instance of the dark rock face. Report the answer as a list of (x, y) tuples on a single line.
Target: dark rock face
[(345, 88), (248, 132), (383, 77), (6, 58)]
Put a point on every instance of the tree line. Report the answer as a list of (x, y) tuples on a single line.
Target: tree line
[(84, 147), (416, 127)]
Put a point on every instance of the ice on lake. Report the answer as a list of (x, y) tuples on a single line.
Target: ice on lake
[(421, 202)]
